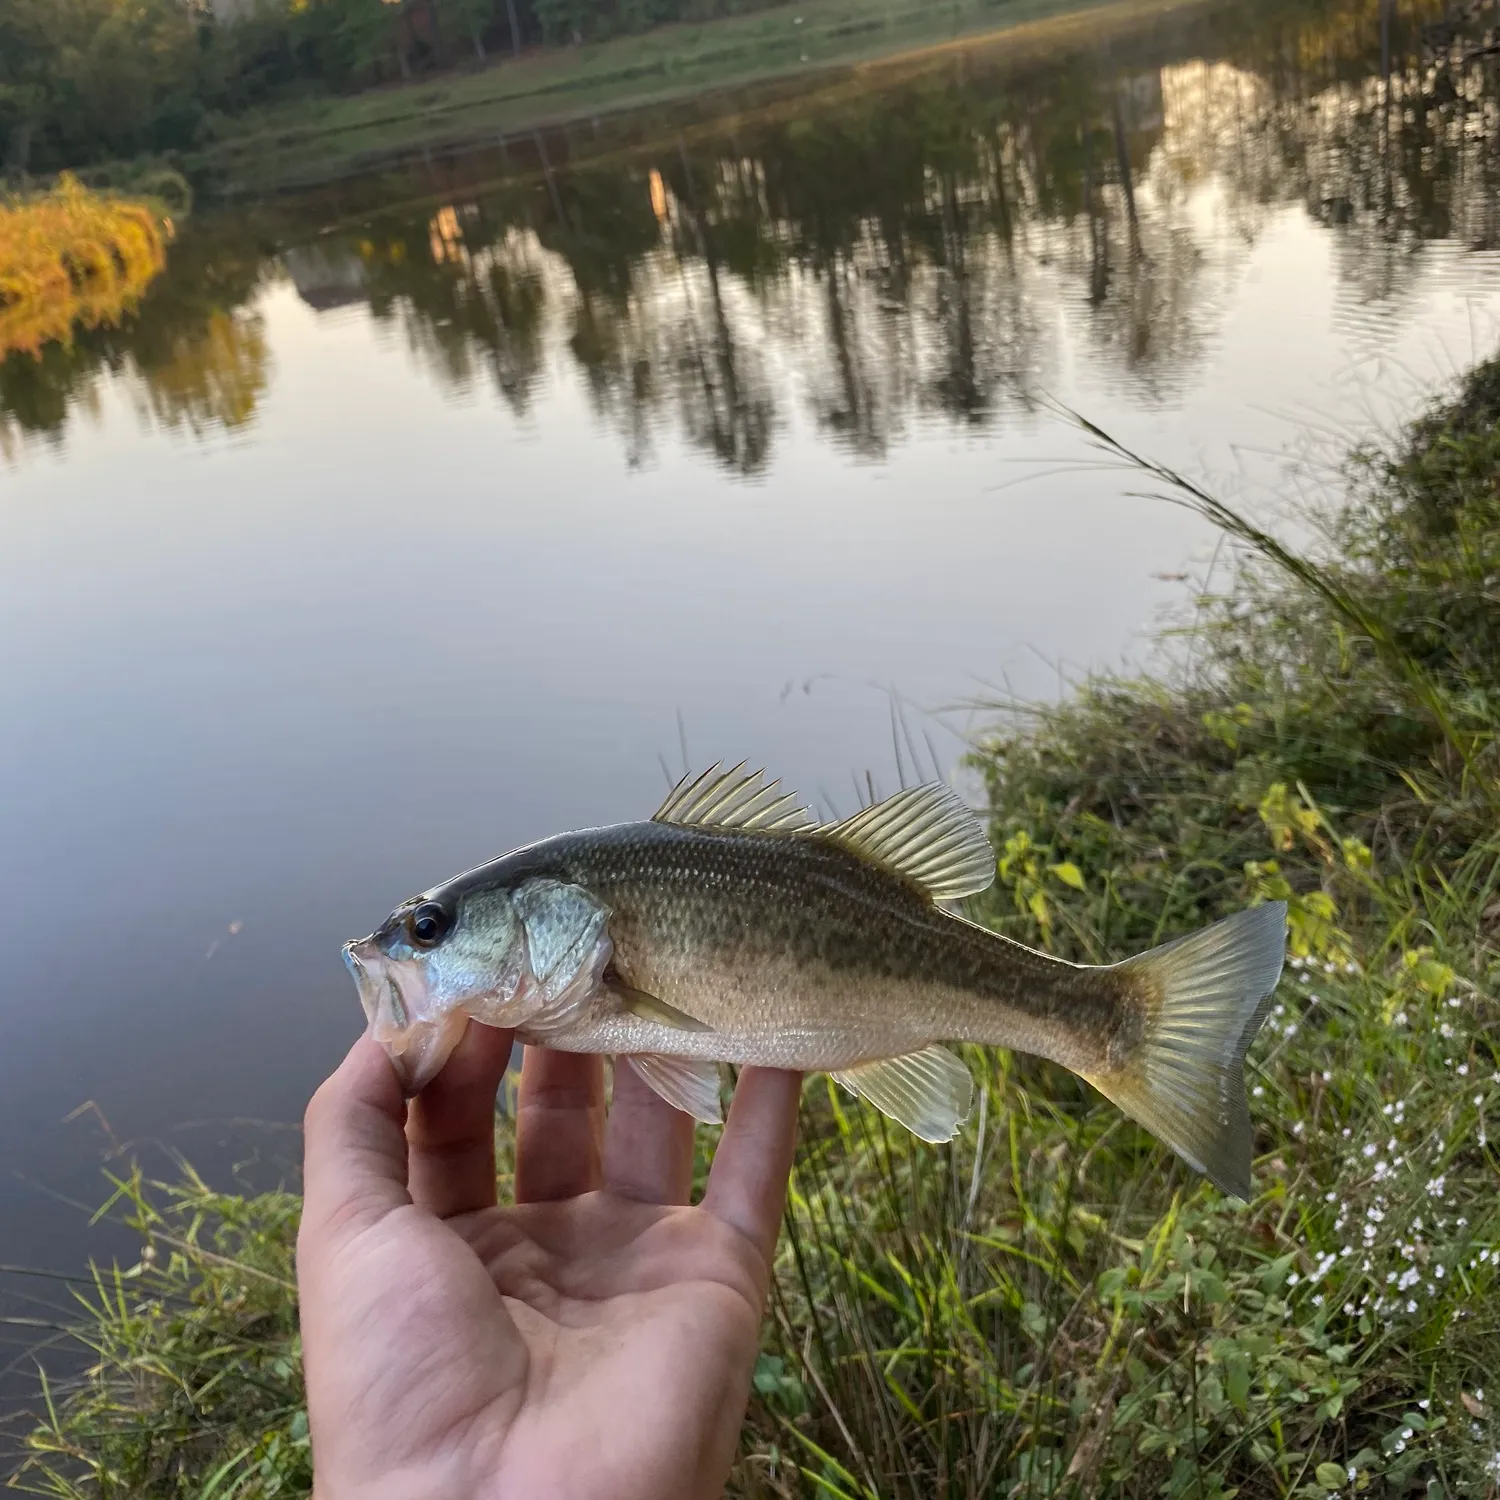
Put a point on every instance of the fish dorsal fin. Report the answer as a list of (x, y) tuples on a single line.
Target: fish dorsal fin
[(734, 799), (926, 834)]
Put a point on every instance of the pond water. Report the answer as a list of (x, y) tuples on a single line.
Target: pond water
[(418, 516)]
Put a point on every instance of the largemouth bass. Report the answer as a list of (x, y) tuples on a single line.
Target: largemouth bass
[(731, 927)]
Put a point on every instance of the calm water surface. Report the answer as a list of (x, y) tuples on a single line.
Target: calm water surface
[(411, 515)]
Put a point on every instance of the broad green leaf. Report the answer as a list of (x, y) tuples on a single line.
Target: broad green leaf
[(1237, 1382)]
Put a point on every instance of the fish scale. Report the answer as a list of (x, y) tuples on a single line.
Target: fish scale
[(732, 928)]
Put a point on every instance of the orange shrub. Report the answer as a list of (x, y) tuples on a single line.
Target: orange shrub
[(73, 257)]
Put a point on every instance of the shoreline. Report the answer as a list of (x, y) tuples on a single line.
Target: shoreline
[(304, 145)]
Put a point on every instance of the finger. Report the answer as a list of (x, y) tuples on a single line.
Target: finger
[(559, 1125), (648, 1145), (747, 1184), (450, 1127), (354, 1148)]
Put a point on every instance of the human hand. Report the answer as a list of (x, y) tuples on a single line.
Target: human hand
[(593, 1341)]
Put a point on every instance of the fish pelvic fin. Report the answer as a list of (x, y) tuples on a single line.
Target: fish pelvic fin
[(1206, 996)]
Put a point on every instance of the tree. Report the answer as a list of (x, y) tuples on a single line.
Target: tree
[(472, 18), (30, 32)]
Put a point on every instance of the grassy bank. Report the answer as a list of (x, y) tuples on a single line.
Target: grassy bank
[(323, 139), (72, 258), (1053, 1305), (1063, 1310)]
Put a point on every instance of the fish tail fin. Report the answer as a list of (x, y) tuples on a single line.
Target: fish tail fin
[(1206, 996)]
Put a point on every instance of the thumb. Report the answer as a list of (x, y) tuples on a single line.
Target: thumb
[(354, 1149)]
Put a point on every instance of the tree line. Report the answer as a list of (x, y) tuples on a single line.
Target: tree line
[(85, 80)]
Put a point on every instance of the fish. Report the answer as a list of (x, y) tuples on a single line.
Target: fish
[(733, 927)]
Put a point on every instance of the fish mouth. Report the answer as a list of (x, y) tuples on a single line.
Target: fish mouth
[(417, 1045), (366, 965)]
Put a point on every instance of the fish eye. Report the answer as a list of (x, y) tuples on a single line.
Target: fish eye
[(429, 924)]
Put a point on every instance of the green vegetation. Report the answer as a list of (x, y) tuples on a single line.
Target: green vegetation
[(321, 139), (106, 79), (1064, 1311), (1053, 1305)]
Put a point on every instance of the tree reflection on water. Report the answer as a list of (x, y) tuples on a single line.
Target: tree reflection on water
[(871, 255)]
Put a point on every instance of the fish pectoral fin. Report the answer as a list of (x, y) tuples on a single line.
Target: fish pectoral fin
[(925, 834), (733, 799), (653, 1008), (684, 1082), (929, 1092)]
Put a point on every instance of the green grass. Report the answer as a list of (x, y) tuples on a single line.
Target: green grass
[(1053, 1306), (315, 141)]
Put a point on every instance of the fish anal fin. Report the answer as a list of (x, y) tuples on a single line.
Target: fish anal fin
[(1206, 996), (929, 1092), (734, 799), (653, 1008), (925, 834), (685, 1083)]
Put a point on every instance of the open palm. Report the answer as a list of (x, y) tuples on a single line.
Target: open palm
[(593, 1341)]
